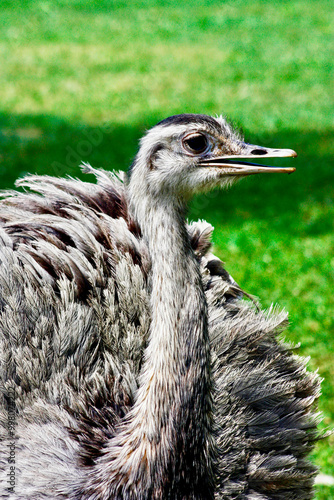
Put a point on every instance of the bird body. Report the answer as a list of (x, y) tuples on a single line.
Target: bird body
[(138, 369)]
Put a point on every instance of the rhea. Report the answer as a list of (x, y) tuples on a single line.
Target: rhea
[(157, 381)]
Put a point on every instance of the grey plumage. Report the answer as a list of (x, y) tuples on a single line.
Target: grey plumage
[(139, 370)]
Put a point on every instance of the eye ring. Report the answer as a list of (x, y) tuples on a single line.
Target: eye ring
[(195, 143)]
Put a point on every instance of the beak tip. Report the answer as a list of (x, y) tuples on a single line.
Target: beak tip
[(286, 153)]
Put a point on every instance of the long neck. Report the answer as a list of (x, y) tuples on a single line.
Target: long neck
[(175, 384), (162, 449)]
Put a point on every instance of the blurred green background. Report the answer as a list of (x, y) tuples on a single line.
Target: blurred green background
[(81, 81)]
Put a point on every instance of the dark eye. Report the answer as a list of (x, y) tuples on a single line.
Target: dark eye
[(196, 143)]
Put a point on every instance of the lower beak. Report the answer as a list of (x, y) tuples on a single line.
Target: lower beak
[(235, 164)]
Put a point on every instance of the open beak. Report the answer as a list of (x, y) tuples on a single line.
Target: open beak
[(235, 164)]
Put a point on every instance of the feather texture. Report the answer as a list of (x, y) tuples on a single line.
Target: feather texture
[(74, 324)]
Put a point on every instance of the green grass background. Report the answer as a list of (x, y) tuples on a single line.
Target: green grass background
[(82, 80)]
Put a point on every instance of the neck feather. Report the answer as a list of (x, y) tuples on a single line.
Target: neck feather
[(162, 449)]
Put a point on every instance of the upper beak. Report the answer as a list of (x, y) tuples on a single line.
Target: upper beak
[(237, 166)]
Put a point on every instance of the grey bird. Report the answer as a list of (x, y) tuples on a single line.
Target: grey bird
[(133, 367)]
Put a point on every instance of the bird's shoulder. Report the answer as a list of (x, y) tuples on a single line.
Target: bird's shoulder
[(66, 228)]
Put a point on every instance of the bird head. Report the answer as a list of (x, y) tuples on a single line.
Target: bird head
[(186, 154)]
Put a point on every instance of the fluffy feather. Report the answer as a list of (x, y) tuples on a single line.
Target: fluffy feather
[(74, 324)]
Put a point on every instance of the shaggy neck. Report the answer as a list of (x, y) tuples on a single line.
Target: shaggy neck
[(176, 371), (161, 450)]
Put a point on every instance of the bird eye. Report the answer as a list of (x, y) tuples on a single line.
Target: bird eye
[(196, 143)]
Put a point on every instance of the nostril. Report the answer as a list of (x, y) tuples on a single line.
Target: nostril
[(258, 152)]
